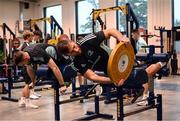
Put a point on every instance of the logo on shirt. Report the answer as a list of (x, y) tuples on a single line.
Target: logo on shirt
[(90, 52)]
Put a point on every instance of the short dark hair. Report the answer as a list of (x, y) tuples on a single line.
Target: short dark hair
[(62, 47), (136, 31), (17, 56)]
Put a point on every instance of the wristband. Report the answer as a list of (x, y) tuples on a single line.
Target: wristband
[(62, 85)]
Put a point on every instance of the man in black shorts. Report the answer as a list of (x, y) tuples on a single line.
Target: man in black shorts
[(38, 54), (90, 55)]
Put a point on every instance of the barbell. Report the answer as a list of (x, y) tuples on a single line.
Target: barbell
[(121, 61), (52, 41), (97, 88)]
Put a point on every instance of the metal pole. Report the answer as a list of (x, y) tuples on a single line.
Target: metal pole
[(159, 107), (96, 101), (120, 110), (56, 101)]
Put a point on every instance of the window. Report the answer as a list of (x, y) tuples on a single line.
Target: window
[(176, 13), (56, 12), (140, 9), (83, 15)]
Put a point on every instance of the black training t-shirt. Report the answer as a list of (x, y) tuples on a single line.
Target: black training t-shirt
[(38, 54), (93, 56)]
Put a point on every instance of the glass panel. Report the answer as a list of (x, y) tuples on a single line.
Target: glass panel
[(84, 19), (140, 9), (176, 13), (56, 12)]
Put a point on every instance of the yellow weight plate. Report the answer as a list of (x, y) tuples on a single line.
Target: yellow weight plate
[(120, 62), (52, 41)]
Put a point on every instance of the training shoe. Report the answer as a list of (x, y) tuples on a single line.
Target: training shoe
[(33, 96), (98, 90), (33, 92), (21, 102), (143, 103), (29, 104), (37, 94)]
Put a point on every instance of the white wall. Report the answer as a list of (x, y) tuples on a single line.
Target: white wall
[(159, 14), (68, 14), (110, 18), (9, 13)]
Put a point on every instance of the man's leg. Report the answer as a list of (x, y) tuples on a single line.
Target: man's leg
[(25, 100), (151, 71), (154, 68)]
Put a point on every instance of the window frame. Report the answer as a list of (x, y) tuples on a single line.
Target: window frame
[(76, 18), (117, 17), (45, 15)]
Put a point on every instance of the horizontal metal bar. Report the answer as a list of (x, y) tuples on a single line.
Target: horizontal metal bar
[(76, 99), (138, 111)]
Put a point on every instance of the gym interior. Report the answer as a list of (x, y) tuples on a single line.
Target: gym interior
[(62, 87)]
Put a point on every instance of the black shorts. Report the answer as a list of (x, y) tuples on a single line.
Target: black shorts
[(26, 77), (137, 78), (68, 73), (25, 74)]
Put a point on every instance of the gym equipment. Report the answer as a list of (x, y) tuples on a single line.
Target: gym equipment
[(52, 41), (91, 115), (152, 57), (10, 81), (126, 9), (11, 45), (2, 50), (174, 64), (121, 61), (96, 88), (3, 78), (56, 29), (153, 102), (166, 39), (174, 60)]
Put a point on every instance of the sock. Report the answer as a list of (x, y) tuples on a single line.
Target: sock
[(145, 96)]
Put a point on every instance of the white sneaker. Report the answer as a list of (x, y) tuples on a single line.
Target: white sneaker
[(21, 102), (33, 96), (29, 104), (37, 94), (33, 92), (98, 90), (143, 103)]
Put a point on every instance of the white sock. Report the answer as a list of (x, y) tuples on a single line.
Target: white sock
[(22, 98), (144, 96), (162, 64)]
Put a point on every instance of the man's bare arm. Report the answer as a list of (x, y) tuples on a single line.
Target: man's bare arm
[(89, 74), (116, 34), (56, 71)]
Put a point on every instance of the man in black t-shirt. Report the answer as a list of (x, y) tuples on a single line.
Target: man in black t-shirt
[(39, 54), (90, 55)]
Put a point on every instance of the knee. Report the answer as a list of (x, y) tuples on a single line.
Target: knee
[(153, 69)]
